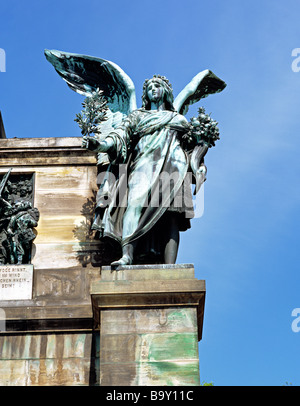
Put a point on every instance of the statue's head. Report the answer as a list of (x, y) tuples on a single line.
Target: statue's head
[(12, 187), (167, 92)]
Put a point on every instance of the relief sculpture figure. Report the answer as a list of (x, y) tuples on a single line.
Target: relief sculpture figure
[(18, 218), (149, 158)]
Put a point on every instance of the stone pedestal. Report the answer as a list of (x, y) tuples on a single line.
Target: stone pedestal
[(150, 319)]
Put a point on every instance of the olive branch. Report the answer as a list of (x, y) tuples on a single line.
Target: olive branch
[(93, 114)]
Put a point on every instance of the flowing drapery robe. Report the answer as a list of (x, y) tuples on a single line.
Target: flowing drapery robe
[(154, 174)]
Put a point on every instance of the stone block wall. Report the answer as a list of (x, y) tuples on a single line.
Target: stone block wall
[(49, 359)]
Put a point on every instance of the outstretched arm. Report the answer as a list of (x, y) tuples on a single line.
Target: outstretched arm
[(93, 144), (117, 143)]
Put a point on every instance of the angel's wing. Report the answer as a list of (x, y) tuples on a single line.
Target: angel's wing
[(84, 74), (203, 84)]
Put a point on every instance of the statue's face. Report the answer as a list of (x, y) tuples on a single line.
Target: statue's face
[(23, 191), (155, 91)]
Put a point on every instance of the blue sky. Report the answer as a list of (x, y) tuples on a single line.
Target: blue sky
[(246, 244)]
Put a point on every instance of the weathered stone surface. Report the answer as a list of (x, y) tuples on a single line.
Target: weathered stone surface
[(49, 359), (20, 152), (150, 321), (148, 272), (151, 355), (64, 193), (64, 255)]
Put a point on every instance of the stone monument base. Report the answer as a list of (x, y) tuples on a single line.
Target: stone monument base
[(150, 319), (137, 325)]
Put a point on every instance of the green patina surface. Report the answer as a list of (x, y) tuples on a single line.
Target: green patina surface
[(183, 317), (168, 373), (176, 346), (170, 358)]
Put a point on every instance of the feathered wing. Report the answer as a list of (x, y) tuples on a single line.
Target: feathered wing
[(84, 74), (202, 85)]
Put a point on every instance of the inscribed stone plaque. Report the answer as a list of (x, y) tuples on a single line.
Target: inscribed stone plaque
[(16, 282)]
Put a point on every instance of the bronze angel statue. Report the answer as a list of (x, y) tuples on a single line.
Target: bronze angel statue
[(146, 205)]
